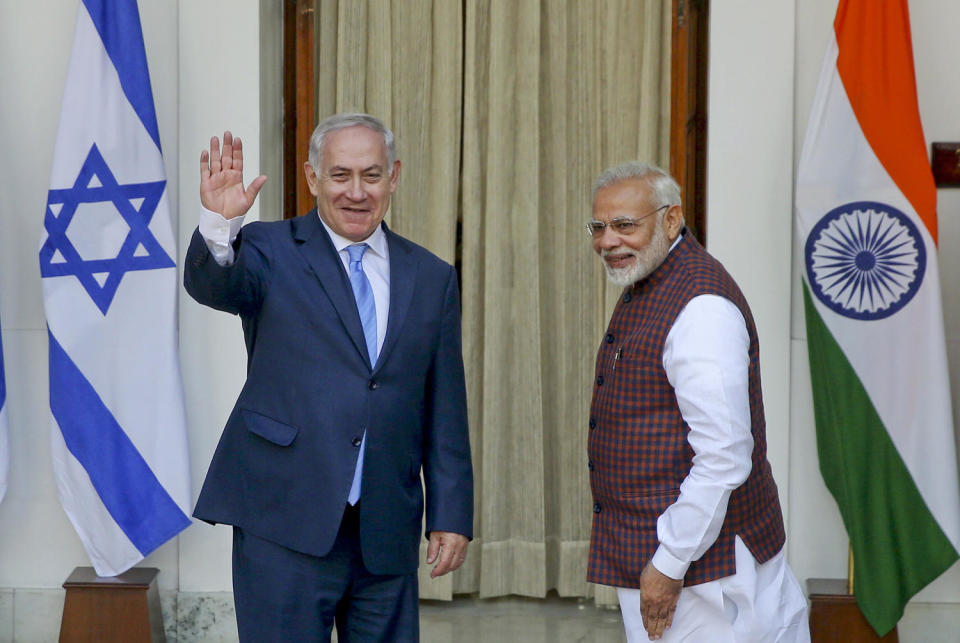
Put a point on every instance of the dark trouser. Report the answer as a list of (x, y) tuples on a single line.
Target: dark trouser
[(283, 595)]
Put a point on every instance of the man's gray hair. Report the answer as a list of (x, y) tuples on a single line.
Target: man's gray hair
[(664, 187), (343, 121)]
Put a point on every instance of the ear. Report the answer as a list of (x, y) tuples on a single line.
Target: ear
[(673, 222), (313, 181), (395, 176)]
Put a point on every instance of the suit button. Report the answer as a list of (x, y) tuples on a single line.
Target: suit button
[(590, 465), (627, 297), (609, 338), (599, 380), (356, 441), (596, 507), (372, 385), (593, 423)]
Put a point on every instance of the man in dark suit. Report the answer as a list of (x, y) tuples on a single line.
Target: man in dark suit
[(354, 383)]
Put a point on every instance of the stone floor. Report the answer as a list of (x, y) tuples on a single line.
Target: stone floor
[(519, 620), (33, 616)]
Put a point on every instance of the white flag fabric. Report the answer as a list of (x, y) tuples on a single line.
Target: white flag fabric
[(110, 285), (4, 431)]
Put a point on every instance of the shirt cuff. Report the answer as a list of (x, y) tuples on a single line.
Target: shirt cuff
[(219, 233), (215, 228), (668, 564)]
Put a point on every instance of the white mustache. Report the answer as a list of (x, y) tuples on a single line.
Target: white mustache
[(619, 252)]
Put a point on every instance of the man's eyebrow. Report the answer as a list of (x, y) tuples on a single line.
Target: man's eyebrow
[(339, 168)]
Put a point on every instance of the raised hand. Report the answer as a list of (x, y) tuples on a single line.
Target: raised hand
[(221, 179)]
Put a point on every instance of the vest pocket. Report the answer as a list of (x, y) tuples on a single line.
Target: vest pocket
[(648, 505)]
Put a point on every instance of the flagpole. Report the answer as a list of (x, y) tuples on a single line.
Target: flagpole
[(850, 569)]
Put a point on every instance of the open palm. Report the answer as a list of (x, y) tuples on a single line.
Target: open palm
[(221, 178)]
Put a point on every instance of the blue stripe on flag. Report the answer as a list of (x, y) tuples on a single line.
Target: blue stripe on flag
[(118, 23), (126, 485), (3, 384)]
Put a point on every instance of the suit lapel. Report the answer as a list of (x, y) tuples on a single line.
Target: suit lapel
[(315, 246), (403, 278)]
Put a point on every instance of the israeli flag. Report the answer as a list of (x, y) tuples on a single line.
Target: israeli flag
[(4, 431), (110, 288)]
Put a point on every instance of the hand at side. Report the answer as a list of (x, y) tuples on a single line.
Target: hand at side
[(448, 549), (658, 600)]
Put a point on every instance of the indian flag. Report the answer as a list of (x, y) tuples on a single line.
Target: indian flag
[(867, 222)]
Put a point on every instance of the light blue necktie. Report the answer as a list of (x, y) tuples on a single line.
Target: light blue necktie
[(367, 308)]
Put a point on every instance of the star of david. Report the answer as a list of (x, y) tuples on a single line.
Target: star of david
[(140, 250)]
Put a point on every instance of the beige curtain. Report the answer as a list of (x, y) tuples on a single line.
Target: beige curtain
[(401, 61), (505, 111)]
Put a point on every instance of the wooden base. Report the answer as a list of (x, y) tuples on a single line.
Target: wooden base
[(124, 608), (835, 616)]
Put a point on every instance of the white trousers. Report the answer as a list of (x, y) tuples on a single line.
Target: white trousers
[(758, 604)]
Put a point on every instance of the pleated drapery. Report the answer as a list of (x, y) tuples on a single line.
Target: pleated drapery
[(504, 112), (402, 61)]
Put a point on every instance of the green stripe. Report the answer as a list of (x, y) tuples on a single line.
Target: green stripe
[(897, 545)]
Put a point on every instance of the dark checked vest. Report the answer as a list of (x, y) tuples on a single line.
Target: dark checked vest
[(638, 446)]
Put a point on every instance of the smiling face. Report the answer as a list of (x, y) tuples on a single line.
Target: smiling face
[(354, 184), (629, 258)]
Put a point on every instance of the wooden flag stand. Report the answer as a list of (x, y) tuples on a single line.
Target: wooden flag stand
[(835, 616), (124, 608)]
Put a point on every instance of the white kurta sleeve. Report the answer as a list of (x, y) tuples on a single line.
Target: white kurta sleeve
[(219, 233), (706, 358)]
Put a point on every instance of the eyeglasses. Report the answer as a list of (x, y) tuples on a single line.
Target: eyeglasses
[(623, 226)]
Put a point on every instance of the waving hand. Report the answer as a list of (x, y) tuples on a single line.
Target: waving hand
[(221, 179)]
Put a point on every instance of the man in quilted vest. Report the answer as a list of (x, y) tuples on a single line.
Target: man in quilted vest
[(687, 522)]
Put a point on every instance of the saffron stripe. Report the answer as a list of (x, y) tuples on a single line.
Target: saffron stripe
[(875, 63), (118, 23), (124, 481)]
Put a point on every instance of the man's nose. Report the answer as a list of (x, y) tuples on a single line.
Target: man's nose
[(607, 240), (356, 190)]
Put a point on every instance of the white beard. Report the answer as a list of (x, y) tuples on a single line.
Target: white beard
[(648, 259)]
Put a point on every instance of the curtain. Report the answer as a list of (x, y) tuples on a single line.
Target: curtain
[(401, 61), (505, 111)]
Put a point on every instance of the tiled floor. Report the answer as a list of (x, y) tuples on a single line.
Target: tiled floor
[(519, 620)]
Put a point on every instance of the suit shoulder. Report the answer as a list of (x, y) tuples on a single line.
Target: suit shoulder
[(267, 228), (425, 257), (263, 234)]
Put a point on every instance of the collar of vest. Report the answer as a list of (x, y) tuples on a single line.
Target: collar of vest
[(687, 245)]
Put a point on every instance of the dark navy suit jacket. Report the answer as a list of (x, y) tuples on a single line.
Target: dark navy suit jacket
[(286, 459)]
